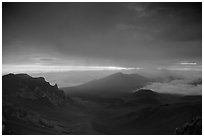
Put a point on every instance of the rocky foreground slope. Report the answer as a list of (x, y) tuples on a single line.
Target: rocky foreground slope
[(27, 87), (22, 93)]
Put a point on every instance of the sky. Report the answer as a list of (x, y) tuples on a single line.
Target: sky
[(47, 37)]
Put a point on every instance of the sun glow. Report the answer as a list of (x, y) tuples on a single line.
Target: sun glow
[(49, 68), (188, 63)]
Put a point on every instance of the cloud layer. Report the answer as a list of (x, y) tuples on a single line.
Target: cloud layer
[(101, 34), (184, 87), (51, 68)]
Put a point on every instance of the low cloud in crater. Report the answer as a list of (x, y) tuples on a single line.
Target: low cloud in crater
[(184, 87)]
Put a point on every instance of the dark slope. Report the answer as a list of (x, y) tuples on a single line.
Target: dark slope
[(111, 86), (24, 86), (148, 112), (192, 127), (32, 106)]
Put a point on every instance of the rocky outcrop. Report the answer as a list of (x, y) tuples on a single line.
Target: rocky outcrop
[(25, 86), (23, 99), (192, 127)]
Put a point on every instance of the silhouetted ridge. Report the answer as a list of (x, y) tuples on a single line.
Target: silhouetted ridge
[(118, 74), (25, 86), (115, 84)]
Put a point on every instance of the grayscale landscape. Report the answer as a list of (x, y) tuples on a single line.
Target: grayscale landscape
[(102, 68)]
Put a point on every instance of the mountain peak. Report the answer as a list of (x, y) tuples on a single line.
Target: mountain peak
[(118, 74), (112, 85)]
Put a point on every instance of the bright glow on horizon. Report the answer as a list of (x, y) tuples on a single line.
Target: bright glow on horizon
[(183, 66), (188, 63), (46, 68), (197, 68)]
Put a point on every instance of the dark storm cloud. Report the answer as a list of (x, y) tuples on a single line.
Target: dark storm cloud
[(101, 33), (169, 21)]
